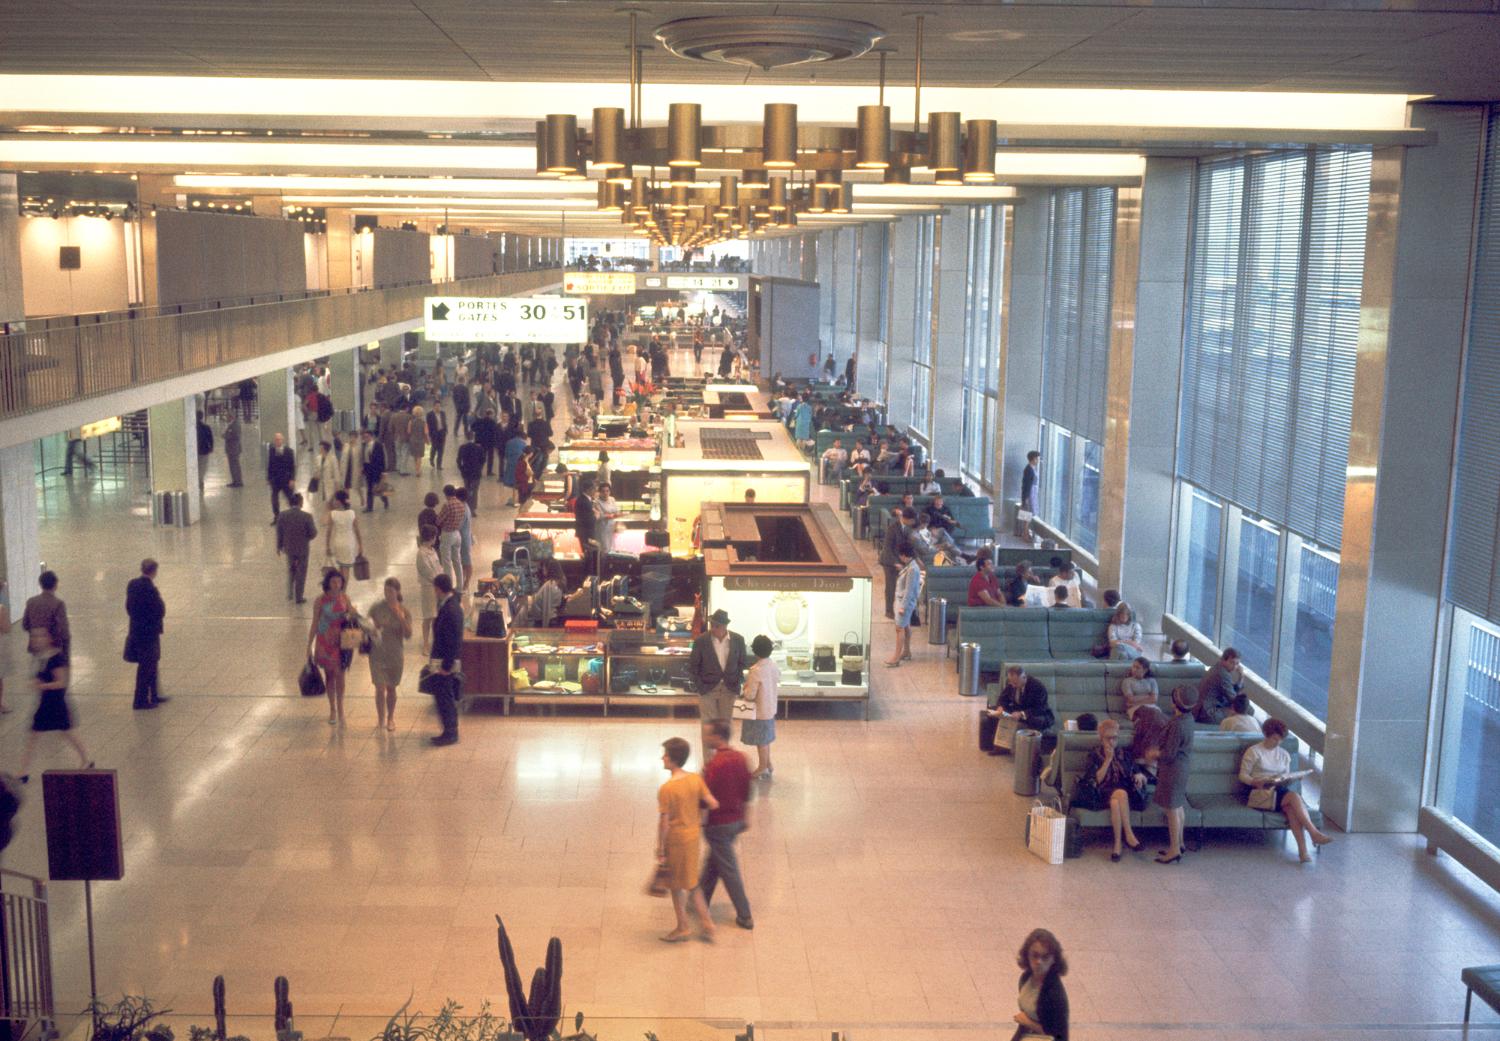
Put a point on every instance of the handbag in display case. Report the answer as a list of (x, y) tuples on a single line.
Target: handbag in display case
[(823, 658)]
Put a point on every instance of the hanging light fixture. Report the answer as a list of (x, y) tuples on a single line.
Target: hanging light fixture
[(943, 141), (541, 150), (562, 143), (609, 134), (818, 202), (755, 179), (729, 193), (610, 198), (872, 143), (779, 137), (777, 203), (829, 171), (640, 195), (843, 199), (897, 175), (685, 134), (742, 217), (979, 151), (681, 193)]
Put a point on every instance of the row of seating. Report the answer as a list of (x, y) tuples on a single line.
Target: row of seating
[(896, 484), (951, 582), (1031, 633), (970, 512), (1093, 685), (1215, 797)]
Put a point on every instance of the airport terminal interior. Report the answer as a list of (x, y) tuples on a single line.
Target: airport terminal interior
[(882, 521)]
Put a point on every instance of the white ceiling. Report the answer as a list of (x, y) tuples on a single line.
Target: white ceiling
[(1448, 48)]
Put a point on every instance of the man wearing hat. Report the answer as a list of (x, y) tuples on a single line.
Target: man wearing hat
[(717, 666)]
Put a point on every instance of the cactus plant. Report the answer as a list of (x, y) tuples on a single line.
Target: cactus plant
[(285, 1031), (534, 1015)]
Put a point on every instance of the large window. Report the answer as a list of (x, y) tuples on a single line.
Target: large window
[(1270, 343), (923, 341), (1469, 755), (982, 323), (1075, 358)]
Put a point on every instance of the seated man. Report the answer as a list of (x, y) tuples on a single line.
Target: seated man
[(834, 460), (940, 516), (1060, 597), (984, 587), (1023, 704)]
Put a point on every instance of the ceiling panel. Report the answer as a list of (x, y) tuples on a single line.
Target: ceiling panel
[(1424, 47)]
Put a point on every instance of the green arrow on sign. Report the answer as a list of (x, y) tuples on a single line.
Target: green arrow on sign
[(439, 312)]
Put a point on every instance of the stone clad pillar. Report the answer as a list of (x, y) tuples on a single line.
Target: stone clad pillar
[(20, 555), (173, 427)]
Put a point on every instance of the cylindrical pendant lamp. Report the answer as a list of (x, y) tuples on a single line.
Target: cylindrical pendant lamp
[(843, 199), (872, 145), (684, 134), (777, 203), (979, 150), (562, 143), (943, 141), (609, 135), (779, 136), (729, 193)]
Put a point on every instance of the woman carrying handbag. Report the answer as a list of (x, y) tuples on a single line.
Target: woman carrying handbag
[(333, 633)]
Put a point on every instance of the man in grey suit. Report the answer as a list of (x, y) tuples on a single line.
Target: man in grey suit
[(717, 666), (295, 533), (232, 449)]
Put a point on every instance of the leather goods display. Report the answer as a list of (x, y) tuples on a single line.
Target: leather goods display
[(798, 659), (852, 677), (591, 679), (823, 659), (621, 680), (520, 679), (627, 605), (490, 620), (850, 645), (532, 667), (361, 568), (556, 671)]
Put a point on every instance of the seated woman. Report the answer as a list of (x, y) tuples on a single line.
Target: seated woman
[(1139, 688), (548, 599), (1264, 769), (1067, 576), (1108, 782), (1124, 633), (867, 487)]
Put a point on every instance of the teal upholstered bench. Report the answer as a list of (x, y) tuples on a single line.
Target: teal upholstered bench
[(1483, 980)]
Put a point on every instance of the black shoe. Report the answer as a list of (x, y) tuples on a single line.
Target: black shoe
[(745, 923), (160, 699), (25, 778), (234, 484), (273, 522), (301, 600), (444, 739), (369, 509), (1169, 860), (1115, 857), (994, 751)]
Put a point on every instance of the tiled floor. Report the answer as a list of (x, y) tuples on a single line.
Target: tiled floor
[(890, 885)]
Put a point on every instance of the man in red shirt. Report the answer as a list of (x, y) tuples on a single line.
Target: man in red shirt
[(984, 587), (728, 778)]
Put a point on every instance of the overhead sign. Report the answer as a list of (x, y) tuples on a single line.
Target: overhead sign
[(99, 429), (492, 319), (599, 283), (725, 283)]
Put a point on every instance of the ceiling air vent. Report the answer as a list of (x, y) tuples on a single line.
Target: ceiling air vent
[(768, 43)]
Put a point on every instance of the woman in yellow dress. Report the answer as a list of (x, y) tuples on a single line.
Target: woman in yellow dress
[(678, 837)]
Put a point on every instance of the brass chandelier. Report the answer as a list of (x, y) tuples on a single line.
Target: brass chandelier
[(775, 171)]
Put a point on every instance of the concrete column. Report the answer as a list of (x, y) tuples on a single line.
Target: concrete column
[(872, 284), (390, 351), (20, 556), (1151, 468), (950, 301), (1021, 382), (340, 239), (1115, 451), (1387, 629), (173, 427), (278, 405), (903, 288), (346, 379)]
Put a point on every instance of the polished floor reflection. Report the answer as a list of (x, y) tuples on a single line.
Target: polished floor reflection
[(890, 884)]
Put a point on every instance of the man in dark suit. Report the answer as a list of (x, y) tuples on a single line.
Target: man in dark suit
[(717, 666), (1023, 704), (447, 645), (486, 433), (147, 611), (295, 533), (586, 524), (1029, 478), (372, 468), (281, 472)]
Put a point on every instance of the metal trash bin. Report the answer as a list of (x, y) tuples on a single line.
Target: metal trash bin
[(845, 491), (1027, 753), (861, 522), (344, 421), (170, 509), (937, 620), (968, 670)]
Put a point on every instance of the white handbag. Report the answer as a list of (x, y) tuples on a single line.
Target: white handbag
[(1047, 834), (744, 708)]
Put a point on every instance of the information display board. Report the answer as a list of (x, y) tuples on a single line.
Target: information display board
[(491, 319), (599, 283)]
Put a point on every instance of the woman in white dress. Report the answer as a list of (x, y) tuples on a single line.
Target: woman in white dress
[(606, 510), (428, 568), (344, 541)]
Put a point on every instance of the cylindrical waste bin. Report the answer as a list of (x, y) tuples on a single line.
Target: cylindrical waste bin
[(937, 620), (845, 489), (161, 508), (861, 522), (179, 509), (1027, 752), (968, 670)]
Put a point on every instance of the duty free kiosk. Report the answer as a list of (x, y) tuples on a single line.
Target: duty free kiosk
[(705, 460), (791, 572)]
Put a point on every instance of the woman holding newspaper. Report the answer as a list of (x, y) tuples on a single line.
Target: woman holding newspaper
[(1266, 769)]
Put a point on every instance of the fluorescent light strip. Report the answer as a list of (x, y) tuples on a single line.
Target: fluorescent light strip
[(451, 185), (87, 153), (453, 100), (357, 201)]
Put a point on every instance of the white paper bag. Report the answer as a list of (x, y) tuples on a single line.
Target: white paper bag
[(1047, 834)]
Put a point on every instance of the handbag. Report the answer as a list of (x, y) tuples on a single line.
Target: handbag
[(657, 885), (555, 671), (621, 680), (1046, 834), (350, 636), (310, 682), (744, 708), (490, 621), (848, 647), (361, 568), (520, 679), (823, 659), (852, 675), (312, 485)]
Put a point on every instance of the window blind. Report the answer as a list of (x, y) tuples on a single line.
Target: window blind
[(1080, 256), (1474, 539), (1271, 334)]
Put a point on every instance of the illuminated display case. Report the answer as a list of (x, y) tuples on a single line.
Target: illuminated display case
[(718, 461), (559, 665), (792, 573), (647, 669)]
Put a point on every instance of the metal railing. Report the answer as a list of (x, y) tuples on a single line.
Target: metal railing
[(25, 957), (43, 368)]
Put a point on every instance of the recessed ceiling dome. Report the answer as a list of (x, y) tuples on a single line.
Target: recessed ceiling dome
[(768, 42)]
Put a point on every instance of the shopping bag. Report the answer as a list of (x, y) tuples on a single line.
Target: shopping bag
[(1047, 835)]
